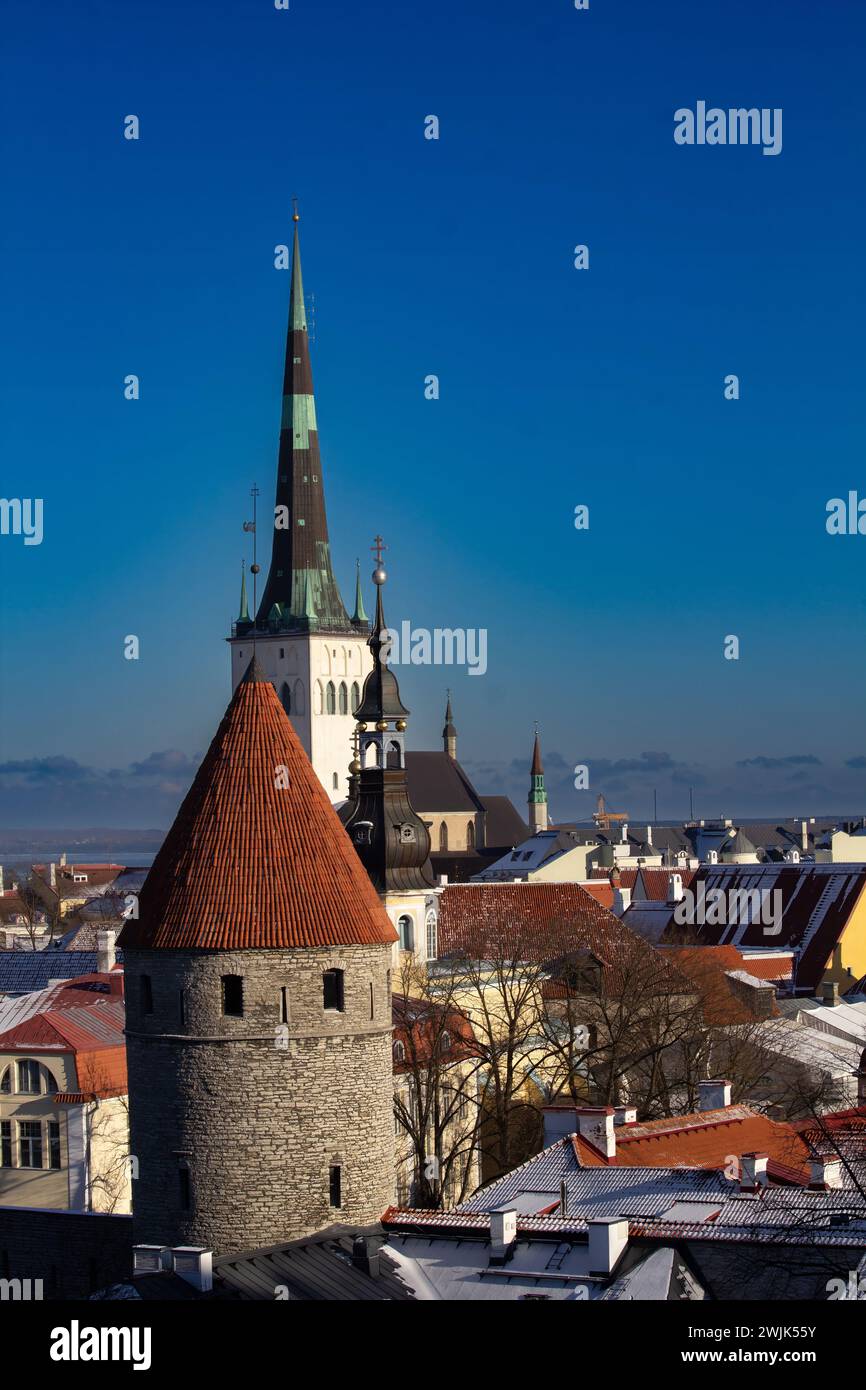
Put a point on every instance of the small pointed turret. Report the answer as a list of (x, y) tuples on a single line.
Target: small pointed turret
[(359, 617), (449, 733), (244, 614), (537, 798)]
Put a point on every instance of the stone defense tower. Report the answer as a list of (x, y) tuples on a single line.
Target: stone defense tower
[(258, 1005), (314, 654), (537, 799)]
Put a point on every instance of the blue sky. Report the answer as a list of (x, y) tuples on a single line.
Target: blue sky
[(558, 387)]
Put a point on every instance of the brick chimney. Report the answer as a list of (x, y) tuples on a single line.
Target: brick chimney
[(595, 1124), (753, 1172), (825, 1173), (105, 952), (608, 1239), (503, 1234), (714, 1095), (194, 1264), (830, 993)]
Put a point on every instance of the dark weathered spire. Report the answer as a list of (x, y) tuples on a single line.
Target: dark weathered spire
[(392, 841), (449, 733), (359, 617), (537, 766), (301, 593), (244, 613)]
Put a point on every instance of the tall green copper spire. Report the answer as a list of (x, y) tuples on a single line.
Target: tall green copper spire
[(359, 617), (300, 581), (537, 798), (244, 614)]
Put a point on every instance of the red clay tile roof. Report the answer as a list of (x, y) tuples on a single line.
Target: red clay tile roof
[(707, 967), (705, 1139), (248, 864), (779, 966), (546, 922)]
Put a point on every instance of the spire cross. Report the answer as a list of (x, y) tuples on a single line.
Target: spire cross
[(296, 217), (378, 545)]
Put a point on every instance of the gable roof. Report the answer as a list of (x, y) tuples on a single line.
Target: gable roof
[(437, 782), (252, 864), (544, 922)]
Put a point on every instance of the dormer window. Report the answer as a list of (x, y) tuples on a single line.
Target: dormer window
[(363, 832), (407, 834)]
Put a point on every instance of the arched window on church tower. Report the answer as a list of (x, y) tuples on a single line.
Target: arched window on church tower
[(330, 698), (298, 698), (356, 696), (470, 835), (392, 757), (371, 754), (443, 836), (317, 705), (344, 698), (286, 698)]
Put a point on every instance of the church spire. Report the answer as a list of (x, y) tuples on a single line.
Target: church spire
[(301, 593), (449, 733), (244, 612), (359, 617), (392, 841), (537, 798)]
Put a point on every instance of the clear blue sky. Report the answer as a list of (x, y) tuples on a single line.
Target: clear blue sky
[(558, 387)]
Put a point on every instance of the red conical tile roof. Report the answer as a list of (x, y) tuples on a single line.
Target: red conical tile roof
[(250, 864)]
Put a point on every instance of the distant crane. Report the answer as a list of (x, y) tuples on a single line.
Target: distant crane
[(605, 818)]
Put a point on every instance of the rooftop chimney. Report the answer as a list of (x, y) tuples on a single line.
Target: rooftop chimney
[(608, 1238), (714, 1095), (804, 836), (621, 901), (624, 1115), (150, 1259), (503, 1234), (675, 888), (753, 1172), (649, 834), (825, 1172), (625, 831), (830, 993), (365, 1254), (595, 1124), (63, 860), (194, 1264), (105, 953)]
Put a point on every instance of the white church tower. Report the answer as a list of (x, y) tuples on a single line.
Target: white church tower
[(315, 655)]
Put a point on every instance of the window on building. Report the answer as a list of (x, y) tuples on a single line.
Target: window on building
[(344, 698), (330, 698), (470, 836), (336, 782), (392, 756), (184, 1187), (405, 931), (298, 698), (356, 696), (445, 1042), (53, 1143), (372, 1001), (332, 990), (443, 836), (399, 1052), (28, 1077), (233, 995), (6, 1082), (5, 1144), (30, 1144), (145, 994), (286, 698), (282, 653), (432, 944), (335, 1185), (284, 1004)]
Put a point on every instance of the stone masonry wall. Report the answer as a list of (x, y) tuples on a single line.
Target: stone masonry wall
[(259, 1111)]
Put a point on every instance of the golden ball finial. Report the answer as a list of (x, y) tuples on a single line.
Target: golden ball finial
[(296, 217)]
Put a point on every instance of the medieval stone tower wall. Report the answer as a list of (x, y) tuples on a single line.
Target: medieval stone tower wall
[(258, 1112)]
